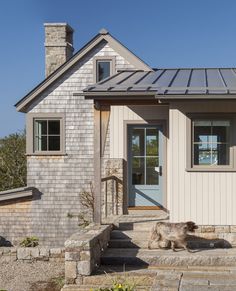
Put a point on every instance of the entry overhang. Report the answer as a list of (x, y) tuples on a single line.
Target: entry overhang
[(166, 84)]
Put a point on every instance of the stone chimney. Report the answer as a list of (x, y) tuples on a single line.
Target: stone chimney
[(58, 45)]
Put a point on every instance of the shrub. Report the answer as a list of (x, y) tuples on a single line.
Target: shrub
[(29, 242), (12, 161), (119, 287)]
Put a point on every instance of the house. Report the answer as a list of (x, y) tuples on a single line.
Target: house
[(143, 138)]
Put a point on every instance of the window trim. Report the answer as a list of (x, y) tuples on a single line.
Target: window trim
[(30, 133), (189, 137), (110, 59)]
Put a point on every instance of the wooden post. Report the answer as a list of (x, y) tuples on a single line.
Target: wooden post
[(105, 116), (97, 164)]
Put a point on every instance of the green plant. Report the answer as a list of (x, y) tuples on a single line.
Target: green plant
[(87, 198), (119, 284), (82, 220), (29, 242), (59, 282)]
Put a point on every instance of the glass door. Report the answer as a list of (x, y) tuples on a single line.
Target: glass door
[(144, 164)]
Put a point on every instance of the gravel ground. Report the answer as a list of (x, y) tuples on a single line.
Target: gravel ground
[(35, 276)]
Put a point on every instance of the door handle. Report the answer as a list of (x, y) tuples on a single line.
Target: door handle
[(159, 170)]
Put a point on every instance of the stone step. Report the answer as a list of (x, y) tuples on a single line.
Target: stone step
[(139, 243), (162, 258), (106, 276), (96, 287), (160, 279), (141, 225), (198, 240)]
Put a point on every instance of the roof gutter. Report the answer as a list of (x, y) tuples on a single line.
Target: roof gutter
[(127, 95), (196, 97)]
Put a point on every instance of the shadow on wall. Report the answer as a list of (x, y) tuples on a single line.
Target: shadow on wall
[(36, 194)]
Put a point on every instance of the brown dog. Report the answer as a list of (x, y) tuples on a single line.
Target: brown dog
[(172, 232)]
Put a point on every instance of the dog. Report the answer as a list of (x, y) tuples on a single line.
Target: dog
[(174, 233)]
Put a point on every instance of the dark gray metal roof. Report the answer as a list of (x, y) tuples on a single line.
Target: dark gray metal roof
[(203, 81)]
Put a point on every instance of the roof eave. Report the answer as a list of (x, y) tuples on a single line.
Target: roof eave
[(21, 106), (195, 97), (118, 95)]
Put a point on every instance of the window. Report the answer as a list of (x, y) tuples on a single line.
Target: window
[(45, 134), (103, 68), (211, 142)]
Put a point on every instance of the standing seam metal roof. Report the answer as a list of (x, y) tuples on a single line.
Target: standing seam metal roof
[(187, 81)]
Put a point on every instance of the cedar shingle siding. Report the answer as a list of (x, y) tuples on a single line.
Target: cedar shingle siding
[(62, 178)]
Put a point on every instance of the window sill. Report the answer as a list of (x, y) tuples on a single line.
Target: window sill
[(220, 169)]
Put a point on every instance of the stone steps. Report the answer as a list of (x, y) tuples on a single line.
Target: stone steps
[(96, 287), (161, 279), (139, 239), (140, 222), (192, 244), (167, 258)]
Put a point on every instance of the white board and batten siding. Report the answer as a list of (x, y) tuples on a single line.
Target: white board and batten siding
[(208, 198), (119, 117)]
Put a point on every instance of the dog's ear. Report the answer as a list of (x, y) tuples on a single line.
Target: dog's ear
[(191, 226)]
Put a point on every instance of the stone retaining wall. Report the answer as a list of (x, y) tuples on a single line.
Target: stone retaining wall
[(9, 254), (83, 252)]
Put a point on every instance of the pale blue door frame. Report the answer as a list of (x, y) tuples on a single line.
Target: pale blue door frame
[(145, 165)]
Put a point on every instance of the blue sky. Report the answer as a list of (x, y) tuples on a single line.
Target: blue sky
[(164, 33)]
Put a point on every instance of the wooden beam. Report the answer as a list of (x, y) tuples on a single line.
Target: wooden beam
[(97, 166), (105, 116)]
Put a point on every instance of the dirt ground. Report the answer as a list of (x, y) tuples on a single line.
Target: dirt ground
[(35, 276)]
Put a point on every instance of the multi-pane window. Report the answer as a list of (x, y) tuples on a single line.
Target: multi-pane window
[(211, 142), (47, 135), (103, 69)]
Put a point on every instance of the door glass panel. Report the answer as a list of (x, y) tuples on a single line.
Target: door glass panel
[(151, 174), (138, 171), (151, 142), (145, 151), (138, 142)]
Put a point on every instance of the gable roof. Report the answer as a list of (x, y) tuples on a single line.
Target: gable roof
[(168, 83), (103, 35)]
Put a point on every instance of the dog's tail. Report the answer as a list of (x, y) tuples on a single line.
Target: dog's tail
[(155, 235), (191, 226)]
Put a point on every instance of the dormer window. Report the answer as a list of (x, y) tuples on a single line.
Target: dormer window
[(103, 68)]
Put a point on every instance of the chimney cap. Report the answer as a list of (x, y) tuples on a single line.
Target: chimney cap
[(59, 24), (103, 31)]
